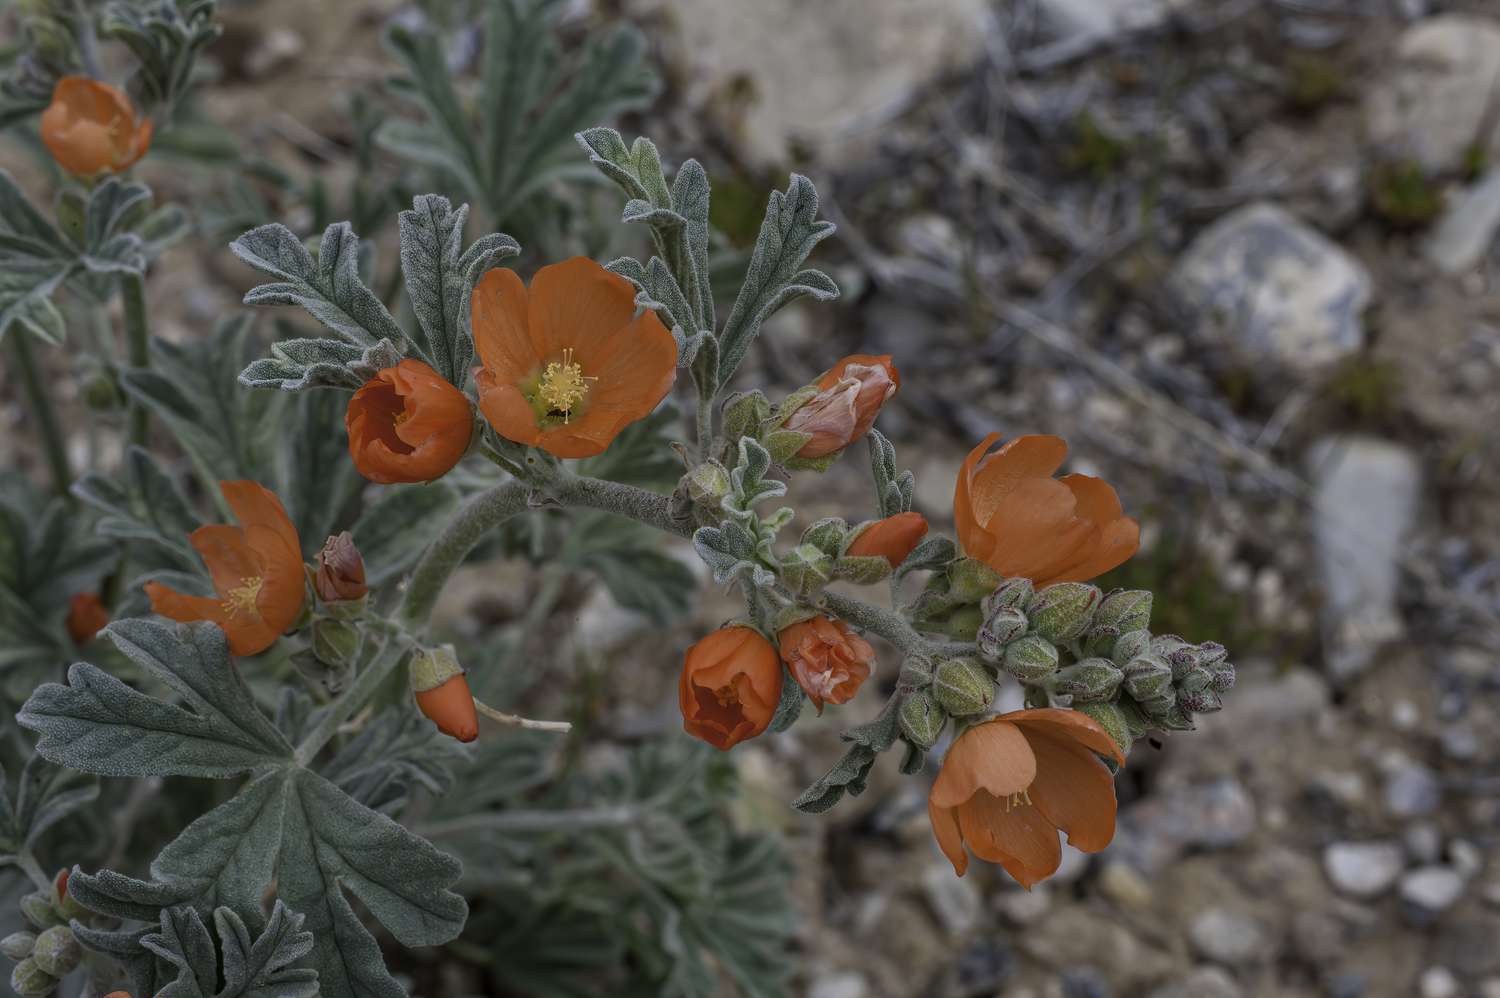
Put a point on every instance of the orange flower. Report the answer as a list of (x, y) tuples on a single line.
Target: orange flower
[(408, 424), (257, 571), (86, 616), (730, 686), (1016, 518), (567, 364), (893, 538), (341, 571), (450, 706), (1010, 783), (849, 398), (92, 128), (828, 660)]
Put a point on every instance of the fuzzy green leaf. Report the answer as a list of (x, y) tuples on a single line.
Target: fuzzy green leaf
[(259, 968), (97, 724), (329, 289), (773, 278), (45, 794)]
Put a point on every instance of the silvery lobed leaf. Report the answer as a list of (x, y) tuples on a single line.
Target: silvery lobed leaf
[(262, 967)]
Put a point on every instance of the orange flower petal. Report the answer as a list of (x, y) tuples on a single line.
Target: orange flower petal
[(580, 305), (1073, 789), (1072, 724), (949, 837), (498, 311), (992, 756), (1017, 836)]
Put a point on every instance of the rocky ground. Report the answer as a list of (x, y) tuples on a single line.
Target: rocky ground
[(1242, 254)]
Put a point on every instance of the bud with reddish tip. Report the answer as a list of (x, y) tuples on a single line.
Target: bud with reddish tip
[(86, 617), (443, 694), (848, 398), (341, 571)]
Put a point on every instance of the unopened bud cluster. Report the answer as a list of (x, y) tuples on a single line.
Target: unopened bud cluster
[(48, 952), (1082, 648)]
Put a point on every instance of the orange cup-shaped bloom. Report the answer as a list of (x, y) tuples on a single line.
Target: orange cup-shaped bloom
[(408, 424), (86, 616), (92, 128), (256, 569), (850, 395), (1019, 520), (893, 538), (567, 364), (730, 686), (1010, 783), (828, 660), (450, 706)]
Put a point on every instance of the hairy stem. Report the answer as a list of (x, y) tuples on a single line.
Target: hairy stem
[(886, 623), (650, 508), (479, 516), (137, 345), (517, 721), (705, 427), (386, 659), (46, 416), (28, 864)]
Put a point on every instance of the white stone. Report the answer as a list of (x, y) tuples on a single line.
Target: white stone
[(1274, 289), (844, 984), (1228, 936), (1438, 982), (779, 72), (1365, 501), (1203, 982), (1104, 17), (1466, 230), (1434, 102), (1363, 869), (1432, 889), (954, 900)]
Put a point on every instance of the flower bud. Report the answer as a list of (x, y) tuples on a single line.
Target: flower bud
[(1147, 678), (963, 687), (1125, 610), (707, 484), (31, 981), (971, 581), (1063, 611), (1112, 719), (848, 398), (102, 394), (37, 907), (334, 641), (1030, 659), (56, 951), (1130, 646), (917, 671), (63, 902), (892, 538), (443, 694), (1158, 708), (1089, 681), (745, 413), (1204, 701), (922, 719), (1223, 677), (1177, 653), (962, 624), (998, 630), (1011, 594), (86, 617), (827, 535), (17, 945), (341, 571)]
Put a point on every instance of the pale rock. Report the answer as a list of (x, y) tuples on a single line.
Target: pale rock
[(1434, 102), (1412, 791), (955, 901), (1430, 890), (1365, 501), (842, 984), (1204, 982), (1273, 289), (1363, 869), (1466, 230), (1227, 936), (1438, 982), (784, 72)]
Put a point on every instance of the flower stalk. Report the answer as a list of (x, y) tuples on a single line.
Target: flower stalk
[(137, 346), (37, 396)]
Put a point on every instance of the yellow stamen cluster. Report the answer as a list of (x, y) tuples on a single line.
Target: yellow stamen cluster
[(1017, 800), (241, 599), (563, 386)]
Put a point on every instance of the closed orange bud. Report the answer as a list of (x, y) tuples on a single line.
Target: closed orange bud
[(86, 616), (893, 538), (828, 660), (730, 686), (450, 706), (118, 994), (341, 571), (849, 398), (92, 128), (408, 424), (1015, 517)]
